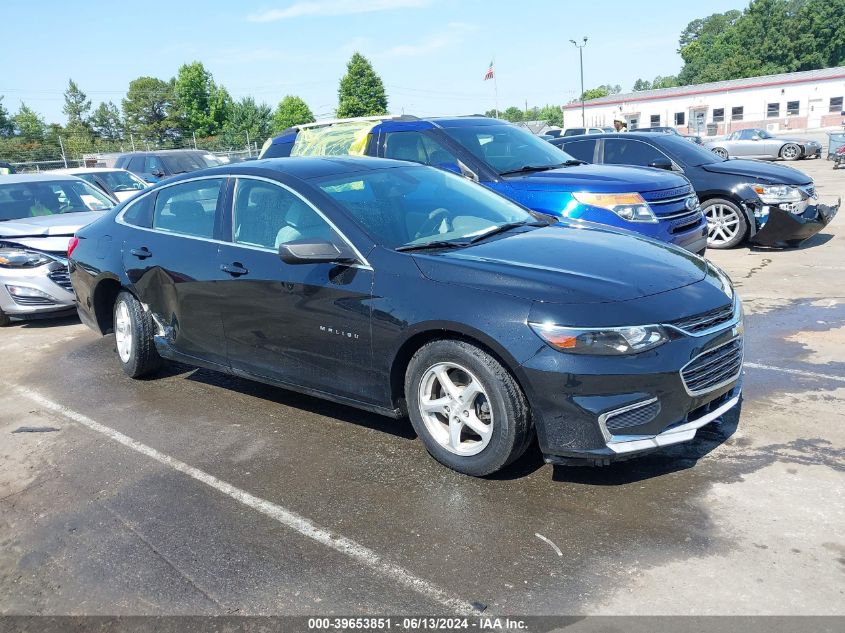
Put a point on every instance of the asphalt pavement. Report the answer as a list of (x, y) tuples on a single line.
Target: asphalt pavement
[(195, 493)]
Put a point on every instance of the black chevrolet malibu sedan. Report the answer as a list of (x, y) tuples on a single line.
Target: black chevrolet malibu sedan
[(408, 290)]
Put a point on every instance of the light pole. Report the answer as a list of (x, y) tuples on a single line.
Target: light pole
[(580, 48)]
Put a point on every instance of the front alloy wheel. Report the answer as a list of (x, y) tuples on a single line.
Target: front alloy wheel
[(466, 407), (790, 151), (726, 224), (721, 152)]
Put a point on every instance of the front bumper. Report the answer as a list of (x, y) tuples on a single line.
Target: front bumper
[(599, 409), (47, 291), (785, 227)]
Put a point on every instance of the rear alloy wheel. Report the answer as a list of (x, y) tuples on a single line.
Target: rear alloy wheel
[(133, 337), (468, 410), (790, 151), (726, 223), (721, 152)]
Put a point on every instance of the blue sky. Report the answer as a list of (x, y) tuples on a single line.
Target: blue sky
[(431, 54)]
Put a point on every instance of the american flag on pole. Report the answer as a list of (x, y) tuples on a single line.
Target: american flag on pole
[(491, 73)]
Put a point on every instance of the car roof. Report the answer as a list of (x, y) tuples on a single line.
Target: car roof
[(303, 167), (594, 137), (164, 151), (24, 178)]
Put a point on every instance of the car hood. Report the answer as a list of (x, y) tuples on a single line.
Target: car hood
[(567, 263), (597, 178), (46, 232), (760, 171)]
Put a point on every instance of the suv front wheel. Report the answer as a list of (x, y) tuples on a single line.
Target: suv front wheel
[(468, 410)]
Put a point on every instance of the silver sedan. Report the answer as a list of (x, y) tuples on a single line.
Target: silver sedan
[(758, 143)]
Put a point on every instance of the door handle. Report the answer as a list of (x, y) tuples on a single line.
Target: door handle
[(235, 269), (141, 253)]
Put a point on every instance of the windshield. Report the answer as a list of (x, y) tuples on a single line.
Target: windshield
[(507, 148), (686, 153), (21, 200), (122, 180), (763, 134), (181, 163), (414, 206)]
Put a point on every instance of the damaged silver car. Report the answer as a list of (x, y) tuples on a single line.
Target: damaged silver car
[(38, 216)]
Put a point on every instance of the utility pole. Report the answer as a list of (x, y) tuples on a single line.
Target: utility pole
[(62, 145), (195, 139), (248, 145), (132, 138), (580, 48)]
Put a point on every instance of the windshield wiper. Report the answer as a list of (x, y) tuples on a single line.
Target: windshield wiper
[(432, 245), (506, 227), (529, 168)]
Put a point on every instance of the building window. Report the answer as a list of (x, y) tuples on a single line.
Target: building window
[(633, 123), (836, 104), (736, 113), (655, 118), (718, 115), (791, 108), (773, 110), (679, 118)]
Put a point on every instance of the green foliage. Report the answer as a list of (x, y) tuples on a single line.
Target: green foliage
[(291, 111), (248, 118), (77, 103), (599, 92), (149, 109), (6, 126), (669, 81), (361, 91), (219, 107), (769, 37), (28, 125), (195, 93), (551, 114), (512, 114), (106, 122)]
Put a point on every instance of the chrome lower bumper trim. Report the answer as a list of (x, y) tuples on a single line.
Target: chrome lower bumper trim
[(680, 433)]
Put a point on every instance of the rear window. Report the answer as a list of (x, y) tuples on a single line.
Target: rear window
[(31, 199), (182, 163)]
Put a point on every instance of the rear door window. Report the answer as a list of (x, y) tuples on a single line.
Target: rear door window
[(626, 151), (188, 208), (582, 150), (418, 148)]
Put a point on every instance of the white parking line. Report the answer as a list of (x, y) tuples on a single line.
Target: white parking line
[(300, 524), (797, 372)]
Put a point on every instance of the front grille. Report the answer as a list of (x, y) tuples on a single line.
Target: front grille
[(633, 417), (706, 320), (32, 301), (667, 195), (61, 277), (686, 223), (713, 369)]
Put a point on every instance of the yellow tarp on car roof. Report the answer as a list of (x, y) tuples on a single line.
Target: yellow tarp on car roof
[(340, 139)]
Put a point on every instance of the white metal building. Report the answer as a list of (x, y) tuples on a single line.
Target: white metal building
[(790, 101)]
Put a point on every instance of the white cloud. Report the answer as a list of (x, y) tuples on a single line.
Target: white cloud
[(325, 8), (452, 35)]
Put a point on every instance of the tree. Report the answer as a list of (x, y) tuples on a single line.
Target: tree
[(6, 126), (512, 114), (248, 118), (28, 125), (669, 81), (291, 111), (361, 91), (220, 105), (551, 114), (195, 93), (106, 122), (77, 104), (149, 109), (642, 84)]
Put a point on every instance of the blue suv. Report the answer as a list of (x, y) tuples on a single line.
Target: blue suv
[(520, 166)]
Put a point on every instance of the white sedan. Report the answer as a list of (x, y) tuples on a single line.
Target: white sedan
[(118, 183)]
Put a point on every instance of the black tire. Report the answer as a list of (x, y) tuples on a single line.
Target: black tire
[(721, 152), (4, 319), (512, 430), (143, 358), (742, 231), (791, 151)]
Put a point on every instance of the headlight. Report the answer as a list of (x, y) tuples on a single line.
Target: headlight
[(612, 341), (20, 258), (776, 194), (628, 206)]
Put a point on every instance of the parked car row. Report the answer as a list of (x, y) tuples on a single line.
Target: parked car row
[(758, 143)]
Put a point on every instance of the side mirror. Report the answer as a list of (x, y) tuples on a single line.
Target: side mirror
[(314, 251), (755, 138), (662, 163)]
